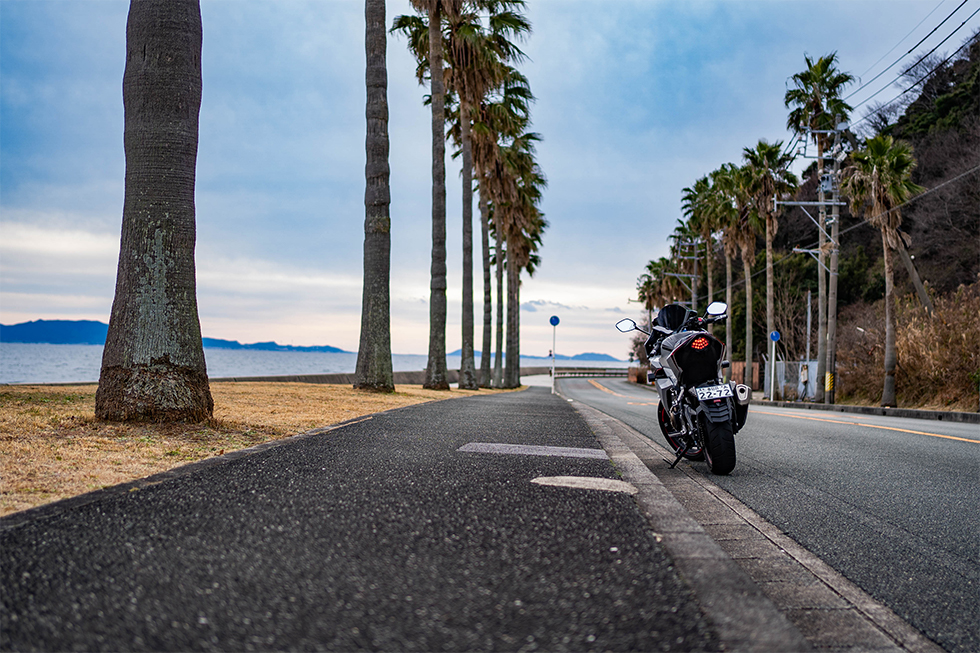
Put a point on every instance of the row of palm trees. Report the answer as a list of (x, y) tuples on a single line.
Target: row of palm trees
[(736, 203), (466, 50)]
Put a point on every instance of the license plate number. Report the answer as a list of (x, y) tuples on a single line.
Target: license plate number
[(714, 392)]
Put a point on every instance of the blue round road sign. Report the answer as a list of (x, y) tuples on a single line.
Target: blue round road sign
[(554, 320), (774, 336)]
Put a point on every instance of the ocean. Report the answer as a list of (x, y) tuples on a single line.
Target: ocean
[(41, 363)]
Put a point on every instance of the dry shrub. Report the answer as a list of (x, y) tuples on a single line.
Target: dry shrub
[(938, 357)]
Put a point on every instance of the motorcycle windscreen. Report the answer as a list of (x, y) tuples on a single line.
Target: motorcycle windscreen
[(698, 360)]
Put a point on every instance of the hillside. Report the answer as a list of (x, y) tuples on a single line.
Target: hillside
[(90, 332)]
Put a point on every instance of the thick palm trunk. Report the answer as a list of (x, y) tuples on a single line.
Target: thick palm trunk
[(467, 369), (153, 364), (436, 377), (891, 353), (485, 379), (498, 368), (512, 371), (747, 266), (374, 369)]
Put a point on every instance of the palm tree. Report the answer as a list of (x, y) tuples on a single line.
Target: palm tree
[(740, 231), (522, 223), (478, 62), (431, 59), (816, 101), (502, 115), (695, 204), (770, 178), (722, 207), (153, 364), (880, 175), (374, 370)]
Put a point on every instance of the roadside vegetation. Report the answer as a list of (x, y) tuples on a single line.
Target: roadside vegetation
[(906, 326)]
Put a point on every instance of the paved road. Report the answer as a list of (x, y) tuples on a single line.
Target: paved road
[(893, 504), (381, 535)]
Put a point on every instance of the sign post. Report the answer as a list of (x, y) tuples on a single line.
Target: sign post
[(554, 329), (774, 337)]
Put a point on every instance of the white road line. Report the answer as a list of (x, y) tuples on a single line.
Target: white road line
[(587, 483), (529, 450)]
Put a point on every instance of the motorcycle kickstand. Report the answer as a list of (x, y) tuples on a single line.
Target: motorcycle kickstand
[(680, 454)]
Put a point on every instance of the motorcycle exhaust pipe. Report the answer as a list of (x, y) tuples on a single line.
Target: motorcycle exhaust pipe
[(743, 394)]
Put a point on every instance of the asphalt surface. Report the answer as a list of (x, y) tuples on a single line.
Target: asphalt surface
[(379, 535), (890, 503)]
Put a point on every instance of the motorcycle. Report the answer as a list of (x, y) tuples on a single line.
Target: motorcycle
[(699, 413)]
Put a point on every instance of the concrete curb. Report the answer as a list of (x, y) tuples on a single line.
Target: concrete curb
[(913, 413), (745, 619), (830, 612)]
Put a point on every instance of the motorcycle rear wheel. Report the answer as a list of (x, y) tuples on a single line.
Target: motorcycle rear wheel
[(719, 445), (671, 436)]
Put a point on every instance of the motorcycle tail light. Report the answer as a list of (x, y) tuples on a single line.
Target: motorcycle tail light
[(700, 343)]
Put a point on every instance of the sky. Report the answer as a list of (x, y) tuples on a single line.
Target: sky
[(635, 101)]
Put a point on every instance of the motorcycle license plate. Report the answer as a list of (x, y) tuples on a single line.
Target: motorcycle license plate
[(714, 392)]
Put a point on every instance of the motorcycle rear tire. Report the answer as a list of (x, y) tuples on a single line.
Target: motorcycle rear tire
[(719, 445), (696, 454)]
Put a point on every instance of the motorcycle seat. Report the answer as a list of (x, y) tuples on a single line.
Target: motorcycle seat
[(671, 342)]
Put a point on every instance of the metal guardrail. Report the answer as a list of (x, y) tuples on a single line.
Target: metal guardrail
[(568, 372)]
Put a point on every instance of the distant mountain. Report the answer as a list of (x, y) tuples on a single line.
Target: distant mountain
[(217, 343), (90, 332), (56, 332), (589, 356)]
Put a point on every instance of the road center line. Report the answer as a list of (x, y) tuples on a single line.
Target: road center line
[(870, 426), (605, 389)]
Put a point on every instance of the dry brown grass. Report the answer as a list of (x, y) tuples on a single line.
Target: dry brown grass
[(52, 446), (938, 357)]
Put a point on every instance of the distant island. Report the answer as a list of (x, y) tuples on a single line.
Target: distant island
[(91, 332), (588, 356)]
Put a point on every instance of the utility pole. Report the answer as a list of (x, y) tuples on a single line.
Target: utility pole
[(826, 302), (693, 288), (830, 382)]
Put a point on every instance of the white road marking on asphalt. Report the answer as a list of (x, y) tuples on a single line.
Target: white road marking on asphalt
[(529, 450), (587, 483)]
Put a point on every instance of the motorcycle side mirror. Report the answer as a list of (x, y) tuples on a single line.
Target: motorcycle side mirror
[(626, 325), (717, 308)]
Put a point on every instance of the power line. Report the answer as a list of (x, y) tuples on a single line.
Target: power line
[(902, 40), (868, 83), (918, 81), (920, 60), (865, 221)]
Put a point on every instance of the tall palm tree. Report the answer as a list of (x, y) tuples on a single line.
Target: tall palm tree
[(478, 62), (769, 178), (374, 370), (522, 224), (880, 176), (696, 205), (431, 59), (722, 205), (741, 231), (816, 103), (501, 116), (153, 364)]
